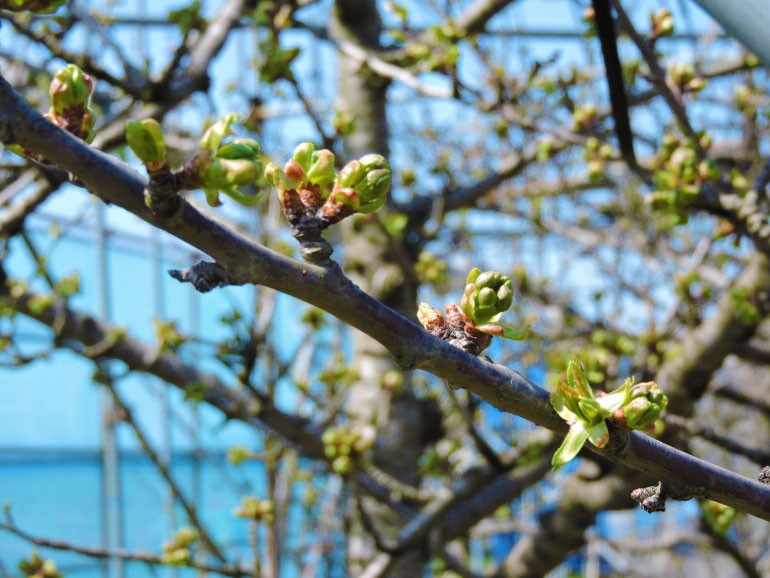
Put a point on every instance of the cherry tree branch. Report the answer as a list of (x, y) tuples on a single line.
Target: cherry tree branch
[(246, 261)]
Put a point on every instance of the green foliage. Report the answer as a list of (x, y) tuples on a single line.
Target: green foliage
[(637, 406), (745, 310), (679, 175), (276, 61), (252, 508), (37, 567), (345, 445), (168, 336), (719, 517), (189, 18), (196, 391), (430, 269), (68, 285), (237, 455), (177, 551)]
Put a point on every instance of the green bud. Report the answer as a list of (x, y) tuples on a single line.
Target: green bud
[(321, 171), (373, 190), (303, 154), (240, 148), (505, 296), (275, 177), (185, 537), (228, 174), (372, 162), (70, 88), (351, 174), (341, 465), (216, 133), (488, 279), (641, 412), (486, 296), (145, 138), (370, 177), (646, 403), (718, 516)]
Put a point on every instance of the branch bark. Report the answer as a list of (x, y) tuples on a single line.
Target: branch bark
[(248, 261)]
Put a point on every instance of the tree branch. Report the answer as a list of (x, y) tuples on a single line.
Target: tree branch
[(247, 261)]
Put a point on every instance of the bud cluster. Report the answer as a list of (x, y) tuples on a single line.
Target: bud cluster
[(585, 118), (252, 508), (680, 174), (597, 154), (635, 406), (70, 93), (344, 445), (36, 567), (220, 165), (314, 196), (486, 296), (661, 23), (643, 407), (177, 552), (684, 78), (440, 49), (471, 325)]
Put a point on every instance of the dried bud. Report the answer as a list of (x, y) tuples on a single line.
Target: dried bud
[(145, 138), (650, 499)]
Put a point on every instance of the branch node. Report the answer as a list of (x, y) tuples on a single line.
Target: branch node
[(161, 195), (204, 276)]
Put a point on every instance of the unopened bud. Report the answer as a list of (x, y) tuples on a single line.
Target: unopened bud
[(145, 138), (321, 171), (70, 89)]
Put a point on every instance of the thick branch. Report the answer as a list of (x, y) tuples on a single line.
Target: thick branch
[(248, 261)]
